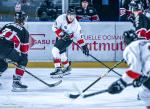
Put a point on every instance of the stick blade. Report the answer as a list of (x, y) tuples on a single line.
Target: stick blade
[(73, 96), (55, 84)]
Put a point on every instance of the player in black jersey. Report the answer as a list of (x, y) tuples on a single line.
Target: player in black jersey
[(14, 46), (140, 21)]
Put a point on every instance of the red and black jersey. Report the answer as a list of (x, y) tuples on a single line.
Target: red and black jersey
[(142, 26), (18, 35)]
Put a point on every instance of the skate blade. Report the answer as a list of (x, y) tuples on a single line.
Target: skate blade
[(19, 90), (0, 85), (68, 73), (56, 76)]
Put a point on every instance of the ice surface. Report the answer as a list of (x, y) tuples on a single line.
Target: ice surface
[(39, 96)]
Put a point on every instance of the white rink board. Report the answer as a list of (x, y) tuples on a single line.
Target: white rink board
[(104, 38)]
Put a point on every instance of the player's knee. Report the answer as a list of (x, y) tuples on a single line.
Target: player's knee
[(144, 95), (64, 57), (3, 66), (147, 83), (23, 61), (55, 52)]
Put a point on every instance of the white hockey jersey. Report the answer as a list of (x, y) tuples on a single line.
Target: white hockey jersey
[(137, 56), (73, 28)]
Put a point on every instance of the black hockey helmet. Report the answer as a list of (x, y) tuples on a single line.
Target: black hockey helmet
[(20, 16), (71, 11), (136, 5), (129, 36), (85, 1)]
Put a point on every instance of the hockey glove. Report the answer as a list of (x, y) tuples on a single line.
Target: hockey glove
[(117, 86), (65, 36), (138, 82), (131, 18), (85, 50)]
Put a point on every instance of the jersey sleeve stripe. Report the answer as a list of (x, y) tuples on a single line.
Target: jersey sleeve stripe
[(58, 31), (141, 32), (80, 41), (132, 74)]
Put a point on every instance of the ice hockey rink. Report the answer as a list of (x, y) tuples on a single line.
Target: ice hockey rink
[(39, 96)]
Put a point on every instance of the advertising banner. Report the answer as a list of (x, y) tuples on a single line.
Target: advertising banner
[(104, 40)]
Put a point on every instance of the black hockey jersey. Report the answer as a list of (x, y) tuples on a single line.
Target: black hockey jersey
[(142, 25), (16, 34), (88, 14)]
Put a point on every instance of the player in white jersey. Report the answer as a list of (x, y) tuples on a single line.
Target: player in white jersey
[(137, 56), (67, 30)]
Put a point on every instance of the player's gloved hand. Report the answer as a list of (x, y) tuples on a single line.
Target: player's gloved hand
[(131, 18), (139, 81), (64, 36), (85, 50), (117, 86)]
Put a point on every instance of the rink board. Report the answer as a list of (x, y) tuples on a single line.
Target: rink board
[(75, 65), (104, 39)]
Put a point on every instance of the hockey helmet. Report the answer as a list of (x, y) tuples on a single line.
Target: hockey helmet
[(71, 11), (129, 36), (20, 16), (84, 0), (135, 5)]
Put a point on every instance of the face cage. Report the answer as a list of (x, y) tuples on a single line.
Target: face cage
[(134, 7)]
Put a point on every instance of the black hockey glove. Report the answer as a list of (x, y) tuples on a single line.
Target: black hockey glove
[(117, 86), (85, 50), (65, 36), (131, 18), (138, 82), (129, 36)]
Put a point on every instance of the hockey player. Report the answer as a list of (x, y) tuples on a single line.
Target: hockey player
[(147, 12), (14, 46), (137, 56), (139, 20), (67, 30)]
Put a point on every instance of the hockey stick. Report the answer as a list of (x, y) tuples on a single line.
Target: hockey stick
[(106, 65), (98, 92), (74, 96), (95, 93), (47, 84), (101, 61)]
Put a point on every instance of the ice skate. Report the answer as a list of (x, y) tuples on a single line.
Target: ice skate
[(66, 70), (17, 85), (57, 73)]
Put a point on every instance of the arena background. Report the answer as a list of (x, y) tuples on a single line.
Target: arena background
[(104, 38)]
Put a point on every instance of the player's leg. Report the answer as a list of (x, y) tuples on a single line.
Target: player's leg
[(3, 67), (64, 58), (144, 95), (67, 65), (19, 72), (57, 63)]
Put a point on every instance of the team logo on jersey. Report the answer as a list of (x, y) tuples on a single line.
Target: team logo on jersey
[(65, 27)]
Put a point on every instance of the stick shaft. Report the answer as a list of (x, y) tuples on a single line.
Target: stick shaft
[(95, 93), (101, 77), (106, 65)]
